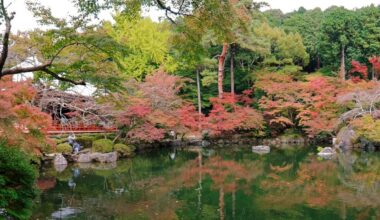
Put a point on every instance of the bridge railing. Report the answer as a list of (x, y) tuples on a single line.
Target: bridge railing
[(78, 128)]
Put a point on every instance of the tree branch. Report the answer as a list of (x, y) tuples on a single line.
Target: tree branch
[(56, 76), (7, 31), (43, 68), (168, 10), (18, 70)]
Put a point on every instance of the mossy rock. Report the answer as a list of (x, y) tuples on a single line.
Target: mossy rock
[(124, 150), (64, 148), (102, 146)]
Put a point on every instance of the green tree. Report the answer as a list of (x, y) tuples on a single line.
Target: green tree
[(308, 25), (367, 42), (17, 182), (339, 29), (286, 50), (146, 45), (69, 50)]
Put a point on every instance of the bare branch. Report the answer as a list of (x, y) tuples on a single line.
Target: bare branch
[(56, 76), (168, 10), (18, 70), (7, 32)]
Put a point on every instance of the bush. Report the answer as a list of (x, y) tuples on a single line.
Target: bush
[(17, 183), (86, 140), (60, 140), (102, 145), (64, 148), (124, 150), (368, 128)]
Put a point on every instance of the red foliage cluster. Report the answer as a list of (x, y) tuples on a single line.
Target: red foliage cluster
[(155, 108), (232, 113), (21, 123), (358, 71), (308, 105), (320, 113)]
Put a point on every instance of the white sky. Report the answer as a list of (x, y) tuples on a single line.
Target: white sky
[(25, 21)]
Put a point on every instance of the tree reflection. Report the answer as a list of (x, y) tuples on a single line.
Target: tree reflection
[(225, 176), (226, 184)]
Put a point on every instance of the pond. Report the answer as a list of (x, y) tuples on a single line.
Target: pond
[(228, 183)]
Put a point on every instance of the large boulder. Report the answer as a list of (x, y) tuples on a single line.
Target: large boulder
[(106, 157), (346, 138), (60, 162), (84, 158), (59, 159)]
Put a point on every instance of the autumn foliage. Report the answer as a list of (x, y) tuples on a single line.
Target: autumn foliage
[(21, 123), (233, 113), (308, 105), (358, 71), (152, 109)]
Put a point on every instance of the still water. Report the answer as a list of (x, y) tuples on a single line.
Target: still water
[(233, 183)]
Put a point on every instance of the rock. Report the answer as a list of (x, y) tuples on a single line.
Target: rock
[(326, 151), (261, 149), (345, 138), (105, 158), (98, 157), (84, 158), (59, 159)]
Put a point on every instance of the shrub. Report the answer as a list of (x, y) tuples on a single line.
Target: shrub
[(102, 145), (86, 140), (64, 148), (124, 150), (60, 140), (17, 188), (368, 128)]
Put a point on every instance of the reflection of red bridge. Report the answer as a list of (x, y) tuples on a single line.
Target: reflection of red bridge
[(79, 128)]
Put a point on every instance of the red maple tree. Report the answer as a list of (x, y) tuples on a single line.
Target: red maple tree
[(358, 71), (22, 124)]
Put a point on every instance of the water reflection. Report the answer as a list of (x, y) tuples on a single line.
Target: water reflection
[(199, 183)]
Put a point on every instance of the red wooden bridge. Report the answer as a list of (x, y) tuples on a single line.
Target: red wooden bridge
[(57, 128)]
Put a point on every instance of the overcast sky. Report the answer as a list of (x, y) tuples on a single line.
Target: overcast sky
[(24, 19)]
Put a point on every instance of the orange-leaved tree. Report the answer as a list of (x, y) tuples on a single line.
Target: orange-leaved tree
[(21, 123)]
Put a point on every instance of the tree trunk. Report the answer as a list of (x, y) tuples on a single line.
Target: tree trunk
[(232, 70), (221, 203), (373, 73), (318, 62), (342, 69), (222, 58), (199, 93)]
